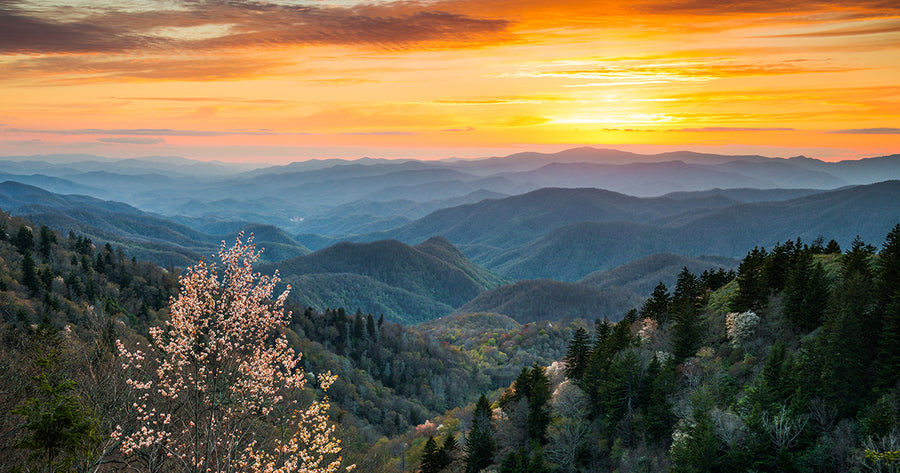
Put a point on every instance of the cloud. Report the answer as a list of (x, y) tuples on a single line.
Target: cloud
[(150, 132), (204, 99), (76, 69), (719, 8), (868, 131), (893, 27), (35, 141), (133, 141), (378, 133), (468, 128), (233, 24), (726, 128)]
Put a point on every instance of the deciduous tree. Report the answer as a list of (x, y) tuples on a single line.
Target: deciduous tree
[(215, 392)]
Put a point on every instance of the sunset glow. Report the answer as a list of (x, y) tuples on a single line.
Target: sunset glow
[(284, 80)]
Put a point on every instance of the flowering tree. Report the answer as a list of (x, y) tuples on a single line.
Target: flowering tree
[(740, 326), (216, 395)]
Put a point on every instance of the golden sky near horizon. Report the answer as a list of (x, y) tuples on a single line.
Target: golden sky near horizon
[(284, 80)]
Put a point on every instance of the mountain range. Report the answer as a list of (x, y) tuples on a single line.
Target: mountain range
[(417, 240)]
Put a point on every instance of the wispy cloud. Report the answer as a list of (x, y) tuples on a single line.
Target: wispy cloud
[(148, 132), (132, 141), (378, 133), (869, 29), (868, 131), (35, 141), (234, 24), (728, 128)]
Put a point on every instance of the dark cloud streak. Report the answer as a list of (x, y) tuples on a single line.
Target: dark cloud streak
[(243, 24), (867, 131)]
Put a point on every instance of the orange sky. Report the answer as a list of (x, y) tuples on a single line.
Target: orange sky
[(284, 80)]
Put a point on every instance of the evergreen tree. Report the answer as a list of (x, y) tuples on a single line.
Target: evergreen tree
[(887, 361), (686, 304), (47, 238), (843, 348), (888, 269), (833, 248), (29, 274), (358, 330), (657, 306), (59, 429), (538, 408), (480, 446), (24, 239), (447, 451), (806, 293), (577, 355), (370, 327), (752, 286), (856, 260), (659, 382), (780, 262), (696, 448), (430, 462)]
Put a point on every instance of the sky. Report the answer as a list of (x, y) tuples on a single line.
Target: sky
[(284, 80)]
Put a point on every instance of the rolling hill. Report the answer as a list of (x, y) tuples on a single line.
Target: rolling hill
[(497, 224), (546, 299), (571, 252), (642, 275), (406, 283)]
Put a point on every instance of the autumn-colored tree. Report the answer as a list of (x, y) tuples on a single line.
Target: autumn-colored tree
[(215, 389)]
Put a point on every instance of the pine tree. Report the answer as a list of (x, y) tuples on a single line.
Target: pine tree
[(887, 361), (480, 446), (888, 269), (538, 408), (29, 274), (657, 306), (370, 327), (686, 306), (856, 260), (59, 429), (780, 262), (24, 239), (447, 451), (752, 286), (577, 355), (843, 349), (806, 293), (430, 461)]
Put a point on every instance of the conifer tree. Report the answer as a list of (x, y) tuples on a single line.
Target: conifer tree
[(888, 269), (752, 286), (29, 274), (806, 293), (657, 306), (577, 355), (887, 361), (686, 306), (480, 446), (430, 462)]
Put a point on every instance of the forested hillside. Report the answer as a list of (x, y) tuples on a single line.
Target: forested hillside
[(790, 366), (64, 303)]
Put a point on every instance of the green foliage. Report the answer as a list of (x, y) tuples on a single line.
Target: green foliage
[(544, 299), (24, 239), (59, 428), (806, 292), (577, 355), (752, 285), (657, 306), (480, 446)]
